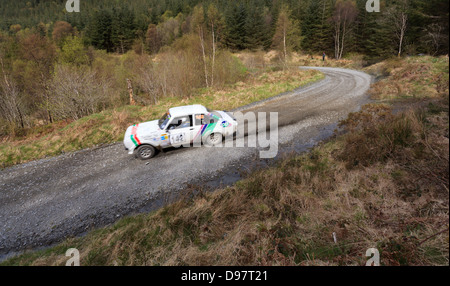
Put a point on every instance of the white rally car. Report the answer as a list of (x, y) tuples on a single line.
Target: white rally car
[(179, 126)]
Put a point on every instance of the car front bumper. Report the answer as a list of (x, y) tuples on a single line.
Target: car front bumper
[(128, 144)]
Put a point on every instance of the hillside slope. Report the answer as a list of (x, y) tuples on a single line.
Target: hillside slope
[(384, 184)]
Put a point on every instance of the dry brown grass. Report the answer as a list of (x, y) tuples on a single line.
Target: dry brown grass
[(260, 59), (352, 61), (415, 77)]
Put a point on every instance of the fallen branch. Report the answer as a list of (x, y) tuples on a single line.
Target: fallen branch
[(430, 237)]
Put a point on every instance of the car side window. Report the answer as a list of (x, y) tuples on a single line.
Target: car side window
[(181, 122), (203, 119), (199, 119)]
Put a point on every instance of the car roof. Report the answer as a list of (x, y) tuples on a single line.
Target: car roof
[(187, 110)]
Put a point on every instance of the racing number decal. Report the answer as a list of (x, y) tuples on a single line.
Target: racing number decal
[(177, 138)]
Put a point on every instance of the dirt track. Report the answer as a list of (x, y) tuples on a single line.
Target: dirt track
[(44, 201)]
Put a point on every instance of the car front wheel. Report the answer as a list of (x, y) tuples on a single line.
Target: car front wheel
[(145, 152)]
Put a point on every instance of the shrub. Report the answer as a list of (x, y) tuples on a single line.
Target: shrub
[(76, 92), (377, 135)]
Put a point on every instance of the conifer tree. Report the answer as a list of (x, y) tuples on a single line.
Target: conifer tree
[(235, 21), (255, 29), (99, 30), (122, 29)]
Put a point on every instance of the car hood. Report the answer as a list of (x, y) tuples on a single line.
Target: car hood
[(146, 130), (148, 126)]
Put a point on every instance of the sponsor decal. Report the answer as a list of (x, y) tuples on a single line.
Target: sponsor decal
[(210, 127)]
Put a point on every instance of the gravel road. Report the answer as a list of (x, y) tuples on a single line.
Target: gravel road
[(45, 201)]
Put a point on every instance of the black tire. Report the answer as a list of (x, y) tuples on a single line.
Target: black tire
[(214, 139), (145, 152)]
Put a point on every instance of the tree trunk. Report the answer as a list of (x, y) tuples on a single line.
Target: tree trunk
[(20, 117), (341, 50), (284, 46), (213, 54), (130, 91), (202, 43), (47, 99), (404, 19), (337, 41)]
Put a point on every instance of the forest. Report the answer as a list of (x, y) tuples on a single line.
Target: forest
[(56, 65)]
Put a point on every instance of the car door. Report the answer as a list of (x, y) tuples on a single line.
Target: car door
[(199, 124), (181, 130), (207, 124)]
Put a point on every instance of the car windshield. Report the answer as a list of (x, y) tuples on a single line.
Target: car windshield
[(216, 114), (164, 120)]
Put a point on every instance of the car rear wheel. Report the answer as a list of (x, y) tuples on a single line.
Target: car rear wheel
[(214, 139), (145, 152)]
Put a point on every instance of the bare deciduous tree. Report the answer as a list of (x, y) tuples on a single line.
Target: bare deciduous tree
[(153, 39), (286, 35), (198, 23), (76, 92), (397, 17), (149, 82), (344, 16), (434, 35), (215, 21), (168, 30), (10, 103), (61, 30)]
